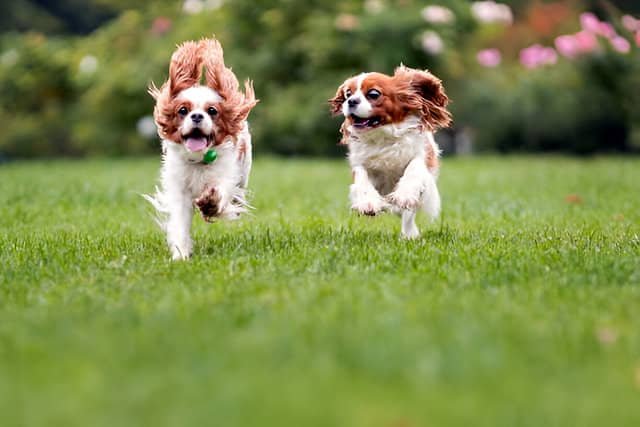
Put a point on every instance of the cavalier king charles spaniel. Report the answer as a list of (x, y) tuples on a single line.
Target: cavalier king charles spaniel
[(388, 127), (206, 143)]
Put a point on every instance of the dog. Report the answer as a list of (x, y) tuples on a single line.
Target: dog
[(206, 143), (388, 128)]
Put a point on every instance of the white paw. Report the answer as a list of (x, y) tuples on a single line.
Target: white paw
[(370, 206), (180, 253), (410, 234), (404, 199)]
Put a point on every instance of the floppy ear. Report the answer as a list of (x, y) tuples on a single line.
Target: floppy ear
[(335, 103), (185, 68), (237, 105), (428, 94)]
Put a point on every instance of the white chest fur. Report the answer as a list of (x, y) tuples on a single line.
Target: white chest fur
[(386, 151), (194, 177)]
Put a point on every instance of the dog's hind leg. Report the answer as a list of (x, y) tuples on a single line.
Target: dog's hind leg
[(409, 227), (431, 198)]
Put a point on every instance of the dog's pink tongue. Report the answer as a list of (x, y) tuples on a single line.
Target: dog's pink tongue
[(196, 144)]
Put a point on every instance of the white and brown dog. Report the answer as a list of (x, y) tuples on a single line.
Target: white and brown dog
[(205, 139), (388, 127)]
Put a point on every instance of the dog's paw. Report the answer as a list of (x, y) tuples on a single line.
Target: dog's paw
[(209, 204), (404, 199), (410, 234), (180, 253), (371, 206)]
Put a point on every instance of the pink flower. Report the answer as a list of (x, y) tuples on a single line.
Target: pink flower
[(638, 39), (572, 45), (620, 44), (590, 22), (537, 55), (489, 57), (161, 25), (607, 30), (630, 23), (567, 46), (585, 41)]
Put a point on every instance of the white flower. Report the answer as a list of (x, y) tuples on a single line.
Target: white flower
[(213, 4), (192, 7), (373, 6), (431, 42), (489, 12), (437, 15), (146, 127), (88, 64), (9, 57)]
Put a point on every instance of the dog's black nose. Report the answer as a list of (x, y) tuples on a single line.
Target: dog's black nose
[(353, 102), (197, 117)]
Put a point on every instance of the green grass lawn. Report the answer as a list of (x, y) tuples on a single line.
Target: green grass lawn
[(519, 307)]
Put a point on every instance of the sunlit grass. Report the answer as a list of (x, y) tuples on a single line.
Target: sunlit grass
[(520, 306)]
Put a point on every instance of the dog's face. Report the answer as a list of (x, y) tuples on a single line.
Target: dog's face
[(199, 116), (371, 100), (195, 113)]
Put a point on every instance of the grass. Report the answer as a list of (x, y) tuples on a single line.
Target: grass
[(519, 307)]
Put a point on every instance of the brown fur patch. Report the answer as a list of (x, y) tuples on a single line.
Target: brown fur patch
[(432, 160), (235, 108), (242, 149), (432, 100), (344, 140)]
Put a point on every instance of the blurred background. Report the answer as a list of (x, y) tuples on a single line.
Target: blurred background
[(524, 76)]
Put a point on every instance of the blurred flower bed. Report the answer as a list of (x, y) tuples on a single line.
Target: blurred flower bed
[(523, 76)]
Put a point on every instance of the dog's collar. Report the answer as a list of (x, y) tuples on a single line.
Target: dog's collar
[(209, 157)]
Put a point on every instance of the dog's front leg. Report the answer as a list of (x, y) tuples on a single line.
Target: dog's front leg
[(179, 226), (365, 199), (215, 201), (411, 186)]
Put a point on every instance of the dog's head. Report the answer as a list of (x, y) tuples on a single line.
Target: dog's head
[(371, 100), (199, 116)]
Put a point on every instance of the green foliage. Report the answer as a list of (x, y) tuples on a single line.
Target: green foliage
[(581, 108), (68, 95), (515, 308)]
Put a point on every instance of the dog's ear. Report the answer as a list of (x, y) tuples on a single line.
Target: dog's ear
[(335, 103), (237, 105), (185, 69), (426, 94)]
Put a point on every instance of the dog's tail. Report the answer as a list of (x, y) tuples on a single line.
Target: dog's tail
[(158, 202)]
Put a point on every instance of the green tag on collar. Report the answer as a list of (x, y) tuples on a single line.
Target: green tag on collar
[(210, 156)]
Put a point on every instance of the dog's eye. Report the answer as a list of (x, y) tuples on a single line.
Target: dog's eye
[(212, 111), (347, 93), (183, 111), (373, 94)]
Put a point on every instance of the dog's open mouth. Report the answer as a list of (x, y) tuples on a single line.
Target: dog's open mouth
[(365, 123), (196, 140)]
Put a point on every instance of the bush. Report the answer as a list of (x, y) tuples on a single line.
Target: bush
[(68, 95), (574, 108)]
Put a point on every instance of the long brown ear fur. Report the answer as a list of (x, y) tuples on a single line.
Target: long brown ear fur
[(427, 95), (185, 70), (237, 105), (335, 103)]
